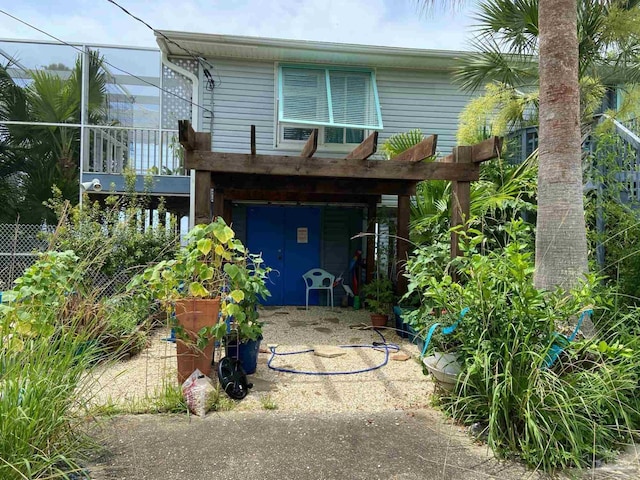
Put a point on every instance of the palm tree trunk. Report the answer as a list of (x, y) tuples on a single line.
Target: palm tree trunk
[(561, 243)]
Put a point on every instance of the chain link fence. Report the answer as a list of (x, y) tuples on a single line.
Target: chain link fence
[(19, 247)]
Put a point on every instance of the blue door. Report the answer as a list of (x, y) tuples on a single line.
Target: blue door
[(289, 239)]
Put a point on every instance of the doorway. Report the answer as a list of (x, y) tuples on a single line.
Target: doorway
[(289, 239)]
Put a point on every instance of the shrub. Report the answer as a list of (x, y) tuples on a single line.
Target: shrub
[(582, 408), (115, 233)]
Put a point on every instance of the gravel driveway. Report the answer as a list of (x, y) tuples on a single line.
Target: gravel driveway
[(396, 386)]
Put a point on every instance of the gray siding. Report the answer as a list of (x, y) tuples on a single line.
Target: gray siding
[(244, 94), (420, 99)]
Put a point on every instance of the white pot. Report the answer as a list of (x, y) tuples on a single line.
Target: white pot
[(444, 367)]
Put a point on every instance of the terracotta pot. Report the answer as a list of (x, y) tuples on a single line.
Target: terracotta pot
[(192, 314), (379, 321)]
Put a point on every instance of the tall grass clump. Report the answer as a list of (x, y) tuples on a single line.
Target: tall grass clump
[(48, 330), (41, 417), (581, 409), (56, 324)]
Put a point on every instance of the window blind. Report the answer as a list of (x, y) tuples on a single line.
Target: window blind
[(328, 96)]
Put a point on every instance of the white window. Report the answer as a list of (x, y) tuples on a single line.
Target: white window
[(342, 103), (328, 96), (328, 137)]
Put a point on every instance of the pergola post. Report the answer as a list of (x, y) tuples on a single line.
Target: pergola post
[(402, 242), (227, 211), (202, 141), (460, 198), (218, 202), (372, 213)]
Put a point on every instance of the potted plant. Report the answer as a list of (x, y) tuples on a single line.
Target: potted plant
[(243, 342), (379, 299), (444, 363), (195, 285)]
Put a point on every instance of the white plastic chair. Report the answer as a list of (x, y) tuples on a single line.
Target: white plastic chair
[(318, 279)]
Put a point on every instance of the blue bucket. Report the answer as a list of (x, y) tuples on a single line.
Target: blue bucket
[(249, 355), (246, 352)]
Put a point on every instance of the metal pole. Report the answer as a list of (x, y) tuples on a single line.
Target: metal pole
[(84, 96)]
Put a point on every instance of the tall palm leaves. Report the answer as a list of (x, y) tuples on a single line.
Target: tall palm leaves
[(502, 191), (507, 42)]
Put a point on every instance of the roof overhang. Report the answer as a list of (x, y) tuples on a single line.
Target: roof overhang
[(303, 51)]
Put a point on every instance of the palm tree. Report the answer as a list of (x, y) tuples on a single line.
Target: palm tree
[(507, 43), (561, 234), (47, 155), (561, 242)]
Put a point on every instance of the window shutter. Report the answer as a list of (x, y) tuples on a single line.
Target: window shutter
[(329, 97), (304, 95)]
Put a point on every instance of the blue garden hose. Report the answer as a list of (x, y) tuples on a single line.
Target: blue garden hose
[(380, 346), (560, 342)]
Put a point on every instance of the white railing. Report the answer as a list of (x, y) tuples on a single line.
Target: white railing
[(144, 150)]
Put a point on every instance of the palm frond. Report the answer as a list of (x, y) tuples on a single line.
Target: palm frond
[(489, 64), (511, 23), (399, 142)]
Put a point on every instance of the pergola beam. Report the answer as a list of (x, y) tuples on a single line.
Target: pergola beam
[(253, 139), (367, 148), (313, 185), (480, 152), (186, 135), (311, 146), (275, 165), (425, 149), (300, 197)]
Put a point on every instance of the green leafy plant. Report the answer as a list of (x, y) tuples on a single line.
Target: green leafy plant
[(568, 415), (212, 264), (379, 295), (115, 232), (247, 276), (42, 296)]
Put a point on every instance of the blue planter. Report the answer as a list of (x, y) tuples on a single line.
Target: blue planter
[(246, 352), (402, 329), (249, 355)]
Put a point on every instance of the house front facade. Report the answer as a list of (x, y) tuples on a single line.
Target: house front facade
[(287, 90)]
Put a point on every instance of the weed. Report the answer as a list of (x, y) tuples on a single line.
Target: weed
[(268, 403), (218, 401)]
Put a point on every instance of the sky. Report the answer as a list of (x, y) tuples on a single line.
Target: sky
[(374, 22)]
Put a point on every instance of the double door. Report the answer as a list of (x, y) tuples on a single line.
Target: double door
[(289, 239)]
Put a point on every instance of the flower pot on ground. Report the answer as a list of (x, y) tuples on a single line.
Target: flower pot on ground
[(246, 351), (379, 298), (445, 368), (196, 284)]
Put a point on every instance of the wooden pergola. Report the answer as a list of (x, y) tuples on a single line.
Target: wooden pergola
[(353, 179)]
